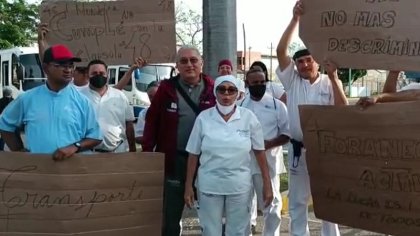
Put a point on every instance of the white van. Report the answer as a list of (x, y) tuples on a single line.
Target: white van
[(20, 69), (136, 90)]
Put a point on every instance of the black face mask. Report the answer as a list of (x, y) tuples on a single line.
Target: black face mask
[(98, 81), (257, 91)]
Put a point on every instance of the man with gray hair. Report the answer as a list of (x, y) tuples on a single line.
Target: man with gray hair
[(169, 121)]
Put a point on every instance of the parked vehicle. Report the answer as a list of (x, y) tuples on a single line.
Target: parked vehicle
[(136, 90)]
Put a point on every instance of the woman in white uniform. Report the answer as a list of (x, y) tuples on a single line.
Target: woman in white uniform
[(222, 139)]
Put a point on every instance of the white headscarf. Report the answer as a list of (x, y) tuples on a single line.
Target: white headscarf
[(226, 78)]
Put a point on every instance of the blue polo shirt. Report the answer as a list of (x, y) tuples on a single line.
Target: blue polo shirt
[(51, 119)]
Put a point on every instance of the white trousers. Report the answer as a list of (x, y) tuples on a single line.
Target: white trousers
[(272, 213), (236, 209), (299, 194)]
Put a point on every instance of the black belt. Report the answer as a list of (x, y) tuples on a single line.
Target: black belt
[(297, 152), (101, 150)]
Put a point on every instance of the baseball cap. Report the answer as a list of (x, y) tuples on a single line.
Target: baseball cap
[(59, 53)]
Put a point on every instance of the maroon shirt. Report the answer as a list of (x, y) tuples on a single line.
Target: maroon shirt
[(160, 130)]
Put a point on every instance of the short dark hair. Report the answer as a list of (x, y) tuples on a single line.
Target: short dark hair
[(254, 70), (262, 66), (152, 84), (301, 53), (81, 69), (96, 62)]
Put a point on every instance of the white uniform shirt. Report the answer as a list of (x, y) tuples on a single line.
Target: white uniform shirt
[(113, 111), (225, 161), (301, 91), (410, 86), (272, 114), (275, 89), (141, 121)]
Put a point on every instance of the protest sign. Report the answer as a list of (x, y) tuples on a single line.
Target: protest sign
[(363, 34), (113, 31), (364, 165), (106, 194)]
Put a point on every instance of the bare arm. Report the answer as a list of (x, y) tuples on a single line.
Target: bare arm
[(12, 140), (191, 169), (129, 132), (337, 86), (267, 189), (126, 79), (286, 38), (68, 151), (391, 82), (403, 96), (42, 41), (275, 142)]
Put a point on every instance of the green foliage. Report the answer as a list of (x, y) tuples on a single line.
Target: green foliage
[(18, 21), (344, 74), (189, 26)]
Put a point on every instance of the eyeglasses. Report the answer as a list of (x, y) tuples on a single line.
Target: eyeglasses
[(185, 60), (229, 90), (63, 66)]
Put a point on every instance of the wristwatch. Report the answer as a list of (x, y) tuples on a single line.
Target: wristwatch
[(78, 145)]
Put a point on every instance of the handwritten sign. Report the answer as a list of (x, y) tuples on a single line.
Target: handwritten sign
[(365, 34), (113, 31), (115, 194), (364, 165)]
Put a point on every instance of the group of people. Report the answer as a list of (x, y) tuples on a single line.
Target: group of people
[(222, 138)]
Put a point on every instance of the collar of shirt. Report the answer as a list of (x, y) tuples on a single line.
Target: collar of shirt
[(59, 93), (216, 116)]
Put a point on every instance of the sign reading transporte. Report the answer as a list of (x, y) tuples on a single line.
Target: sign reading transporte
[(98, 194)]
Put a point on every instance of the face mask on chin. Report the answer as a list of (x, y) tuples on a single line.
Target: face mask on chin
[(257, 91), (225, 109), (98, 81)]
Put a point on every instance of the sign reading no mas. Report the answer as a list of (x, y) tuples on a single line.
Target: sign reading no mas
[(366, 34)]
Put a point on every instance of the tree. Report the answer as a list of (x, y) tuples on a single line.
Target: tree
[(344, 74), (18, 21), (189, 26)]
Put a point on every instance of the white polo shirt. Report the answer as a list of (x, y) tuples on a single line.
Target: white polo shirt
[(141, 121), (225, 161), (113, 111), (301, 91), (275, 89), (272, 114)]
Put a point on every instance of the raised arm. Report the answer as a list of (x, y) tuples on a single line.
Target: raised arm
[(138, 63), (286, 38), (391, 82), (337, 86), (42, 41)]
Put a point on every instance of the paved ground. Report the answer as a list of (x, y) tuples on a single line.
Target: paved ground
[(191, 226)]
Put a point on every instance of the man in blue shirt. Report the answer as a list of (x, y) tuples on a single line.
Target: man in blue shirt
[(57, 119)]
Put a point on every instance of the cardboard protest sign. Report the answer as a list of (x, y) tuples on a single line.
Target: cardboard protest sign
[(113, 31), (106, 194), (364, 34), (364, 165)]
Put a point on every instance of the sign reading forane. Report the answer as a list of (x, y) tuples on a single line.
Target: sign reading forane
[(365, 164)]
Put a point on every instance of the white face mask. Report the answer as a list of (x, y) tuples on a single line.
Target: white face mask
[(225, 109)]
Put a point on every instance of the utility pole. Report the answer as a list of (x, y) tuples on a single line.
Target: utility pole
[(219, 34), (249, 57), (271, 61)]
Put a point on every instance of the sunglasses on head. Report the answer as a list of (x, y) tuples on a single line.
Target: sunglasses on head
[(229, 90)]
